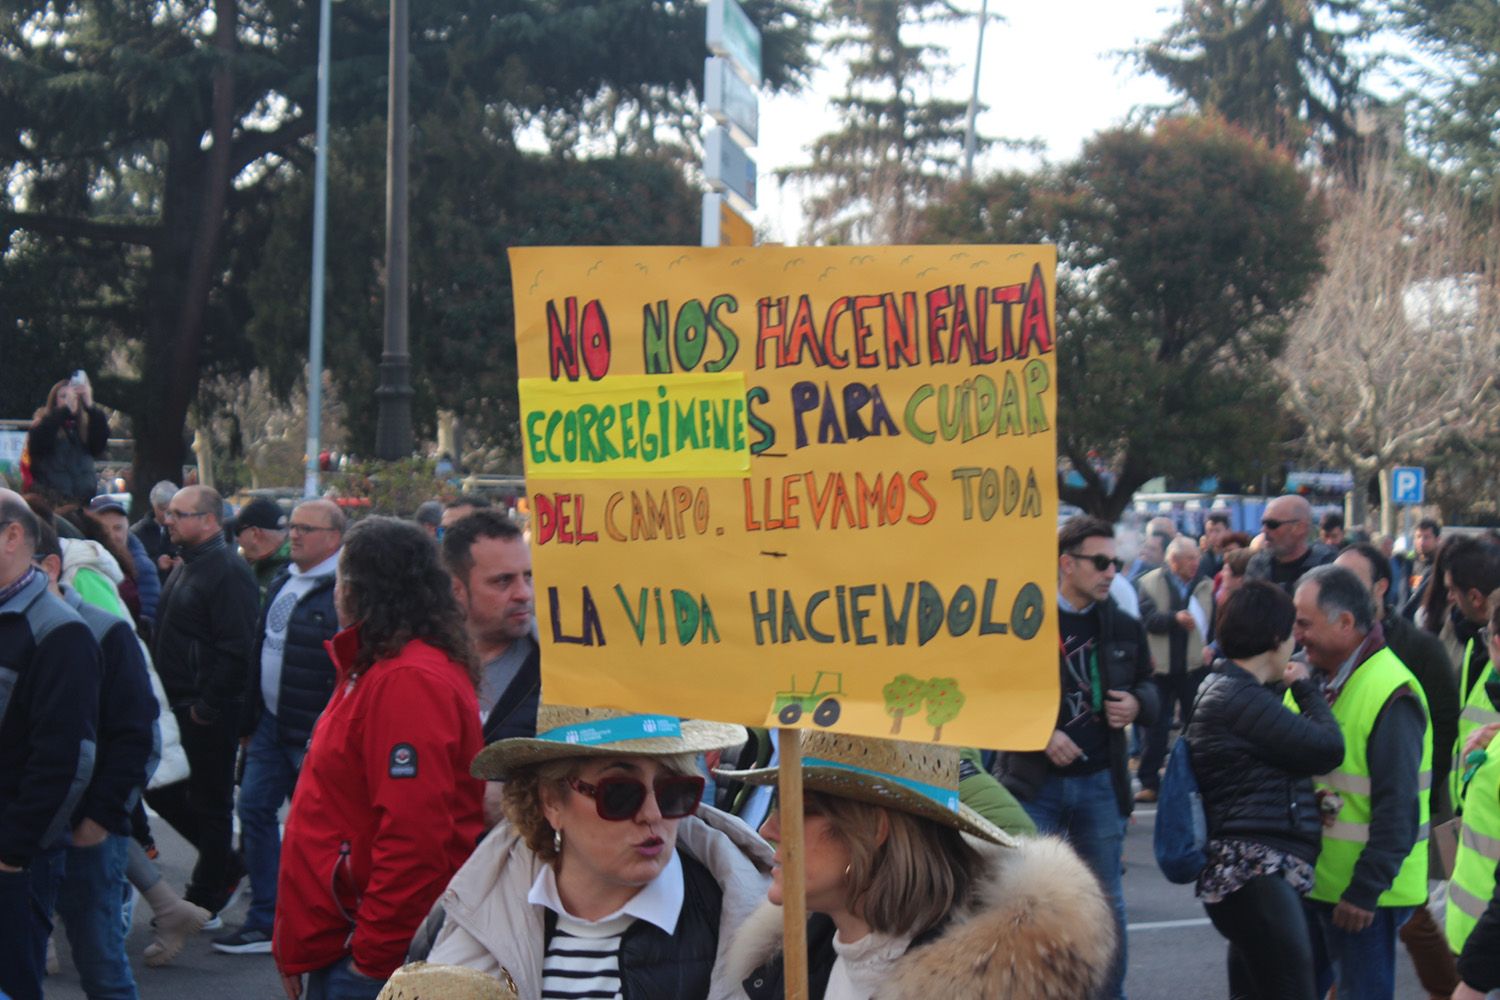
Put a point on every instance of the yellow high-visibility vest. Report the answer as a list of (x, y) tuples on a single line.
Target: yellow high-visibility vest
[(1478, 710), (1473, 882)]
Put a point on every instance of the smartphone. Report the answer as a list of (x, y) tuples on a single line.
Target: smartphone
[(79, 378)]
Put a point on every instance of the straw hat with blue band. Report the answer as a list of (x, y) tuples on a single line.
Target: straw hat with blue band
[(918, 778), (564, 731)]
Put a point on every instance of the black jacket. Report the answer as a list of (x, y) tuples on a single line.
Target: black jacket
[(515, 713), (50, 669), (62, 459), (1260, 566), (205, 631), (307, 673), (1427, 658), (655, 965), (158, 543), (1254, 759), (127, 721), (1127, 667)]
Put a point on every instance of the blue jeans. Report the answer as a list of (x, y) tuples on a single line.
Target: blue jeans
[(1365, 963), (27, 899), (89, 905), (1084, 812), (340, 982), (270, 772)]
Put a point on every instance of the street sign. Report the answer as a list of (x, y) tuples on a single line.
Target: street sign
[(722, 225), (729, 100), (734, 36), (727, 166), (1409, 485), (12, 443)]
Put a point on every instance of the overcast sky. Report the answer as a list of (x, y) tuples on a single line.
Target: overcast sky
[(1052, 71)]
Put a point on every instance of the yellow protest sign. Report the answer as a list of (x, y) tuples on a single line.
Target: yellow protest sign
[(796, 486)]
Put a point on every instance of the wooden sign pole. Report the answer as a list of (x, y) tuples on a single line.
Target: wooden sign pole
[(793, 872)]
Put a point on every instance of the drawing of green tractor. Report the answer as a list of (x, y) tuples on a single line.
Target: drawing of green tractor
[(821, 701)]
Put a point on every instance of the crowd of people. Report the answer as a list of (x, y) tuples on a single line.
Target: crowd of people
[(384, 678)]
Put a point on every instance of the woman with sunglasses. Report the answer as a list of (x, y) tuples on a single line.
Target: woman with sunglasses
[(385, 810), (912, 894), (606, 878)]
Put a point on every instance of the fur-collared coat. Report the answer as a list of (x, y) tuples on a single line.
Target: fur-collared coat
[(1038, 927)]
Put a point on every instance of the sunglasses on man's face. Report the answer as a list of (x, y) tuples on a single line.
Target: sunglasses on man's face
[(1271, 524), (619, 798), (1101, 562)]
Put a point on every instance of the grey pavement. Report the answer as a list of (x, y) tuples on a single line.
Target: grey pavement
[(1174, 953)]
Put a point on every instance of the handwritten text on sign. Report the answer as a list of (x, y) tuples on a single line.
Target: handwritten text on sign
[(808, 487)]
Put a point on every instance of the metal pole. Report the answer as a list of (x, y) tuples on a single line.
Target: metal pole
[(393, 435), (319, 259), (969, 138)]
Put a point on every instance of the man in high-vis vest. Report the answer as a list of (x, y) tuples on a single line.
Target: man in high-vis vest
[(1372, 868), (1473, 922), (1471, 574)]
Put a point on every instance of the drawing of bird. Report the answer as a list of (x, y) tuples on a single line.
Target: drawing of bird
[(597, 264), (907, 259), (643, 268), (979, 263), (959, 256), (537, 280), (863, 258), (826, 272), (925, 271), (737, 262), (679, 260), (794, 262)]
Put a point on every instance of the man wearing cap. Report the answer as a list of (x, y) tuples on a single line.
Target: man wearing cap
[(111, 516), (202, 653), (260, 528), (50, 666), (291, 679)]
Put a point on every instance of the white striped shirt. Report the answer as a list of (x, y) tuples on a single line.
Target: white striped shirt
[(583, 959)]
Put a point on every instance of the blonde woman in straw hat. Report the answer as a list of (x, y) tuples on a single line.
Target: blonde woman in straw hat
[(912, 894), (607, 877)]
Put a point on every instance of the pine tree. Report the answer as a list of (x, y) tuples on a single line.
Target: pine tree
[(1281, 69), (896, 144)]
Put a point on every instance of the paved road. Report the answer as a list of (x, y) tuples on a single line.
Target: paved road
[(1174, 953)]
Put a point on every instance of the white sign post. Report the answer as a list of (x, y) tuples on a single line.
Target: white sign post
[(730, 78)]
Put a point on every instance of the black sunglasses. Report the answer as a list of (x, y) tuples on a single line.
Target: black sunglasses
[(620, 798), (1271, 524), (1101, 562)]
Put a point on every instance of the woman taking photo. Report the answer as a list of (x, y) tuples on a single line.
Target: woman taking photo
[(912, 894), (385, 810), (66, 435), (1254, 759), (606, 878)]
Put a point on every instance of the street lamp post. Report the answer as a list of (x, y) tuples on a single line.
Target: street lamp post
[(970, 140), (319, 259), (393, 434)]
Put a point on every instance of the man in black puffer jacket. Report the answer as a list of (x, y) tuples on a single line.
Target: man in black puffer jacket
[(205, 631), (291, 680)]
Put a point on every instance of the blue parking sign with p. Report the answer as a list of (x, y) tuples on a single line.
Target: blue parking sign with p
[(1408, 484)]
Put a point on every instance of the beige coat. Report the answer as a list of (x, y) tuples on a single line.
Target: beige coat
[(1038, 928), (1156, 586), (490, 925)]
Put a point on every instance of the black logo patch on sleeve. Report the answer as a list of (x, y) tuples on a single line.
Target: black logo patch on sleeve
[(403, 761)]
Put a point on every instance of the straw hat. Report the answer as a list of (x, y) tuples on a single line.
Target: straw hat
[(917, 778), (564, 731), (420, 981)]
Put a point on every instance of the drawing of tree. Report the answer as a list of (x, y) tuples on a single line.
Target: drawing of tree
[(944, 702), (903, 696)]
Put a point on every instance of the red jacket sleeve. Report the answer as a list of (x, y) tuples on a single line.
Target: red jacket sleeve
[(416, 755)]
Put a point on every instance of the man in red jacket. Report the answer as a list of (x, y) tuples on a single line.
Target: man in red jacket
[(385, 809)]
